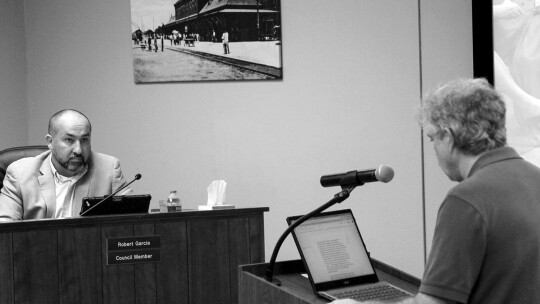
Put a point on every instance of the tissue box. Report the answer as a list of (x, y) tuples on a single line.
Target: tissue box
[(215, 207)]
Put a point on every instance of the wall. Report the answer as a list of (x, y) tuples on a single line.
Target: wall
[(446, 54), (353, 77), (13, 111)]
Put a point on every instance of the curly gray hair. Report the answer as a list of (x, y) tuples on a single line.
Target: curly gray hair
[(473, 112)]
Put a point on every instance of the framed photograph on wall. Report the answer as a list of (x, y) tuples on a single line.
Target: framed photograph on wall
[(506, 51), (206, 40)]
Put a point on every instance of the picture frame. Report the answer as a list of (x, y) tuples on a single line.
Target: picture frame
[(206, 40)]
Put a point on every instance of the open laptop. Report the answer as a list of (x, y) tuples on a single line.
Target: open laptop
[(121, 204), (336, 259)]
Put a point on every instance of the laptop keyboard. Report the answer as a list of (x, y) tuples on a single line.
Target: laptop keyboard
[(381, 292)]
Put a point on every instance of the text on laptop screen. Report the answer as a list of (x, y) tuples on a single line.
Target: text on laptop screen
[(333, 248)]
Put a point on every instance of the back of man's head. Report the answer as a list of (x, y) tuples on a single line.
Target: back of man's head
[(473, 112)]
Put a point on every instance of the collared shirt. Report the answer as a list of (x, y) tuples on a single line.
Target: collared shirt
[(486, 242), (65, 191)]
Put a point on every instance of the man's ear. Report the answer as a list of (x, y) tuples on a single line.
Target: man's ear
[(49, 139), (449, 137)]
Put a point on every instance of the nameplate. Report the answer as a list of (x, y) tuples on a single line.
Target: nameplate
[(139, 242), (133, 256), (131, 250)]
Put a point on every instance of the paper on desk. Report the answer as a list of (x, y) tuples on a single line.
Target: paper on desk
[(216, 193)]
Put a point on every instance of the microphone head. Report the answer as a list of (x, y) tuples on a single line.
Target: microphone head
[(138, 176), (384, 173)]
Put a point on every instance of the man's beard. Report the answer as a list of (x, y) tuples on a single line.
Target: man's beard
[(72, 166)]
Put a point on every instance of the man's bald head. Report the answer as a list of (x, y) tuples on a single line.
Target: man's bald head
[(57, 117), (69, 141)]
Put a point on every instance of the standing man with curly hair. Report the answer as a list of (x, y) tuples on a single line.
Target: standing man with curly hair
[(486, 246)]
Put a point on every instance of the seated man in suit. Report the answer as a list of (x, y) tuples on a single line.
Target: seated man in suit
[(52, 184)]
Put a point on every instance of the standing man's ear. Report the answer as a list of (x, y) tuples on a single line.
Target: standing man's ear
[(447, 132)]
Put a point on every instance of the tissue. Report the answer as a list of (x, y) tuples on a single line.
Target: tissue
[(216, 196), (216, 193)]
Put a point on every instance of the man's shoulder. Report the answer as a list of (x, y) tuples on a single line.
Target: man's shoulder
[(473, 188), (103, 165), (497, 182), (101, 161), (101, 158), (26, 164)]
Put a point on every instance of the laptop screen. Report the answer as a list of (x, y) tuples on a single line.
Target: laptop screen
[(122, 204), (332, 248)]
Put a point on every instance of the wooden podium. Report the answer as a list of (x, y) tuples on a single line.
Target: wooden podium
[(295, 288), (192, 257)]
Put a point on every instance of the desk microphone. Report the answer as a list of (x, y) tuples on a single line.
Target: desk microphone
[(383, 174), (137, 177)]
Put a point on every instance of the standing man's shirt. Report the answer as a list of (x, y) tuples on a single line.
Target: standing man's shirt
[(486, 247)]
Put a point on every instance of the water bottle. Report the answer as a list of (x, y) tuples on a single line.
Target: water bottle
[(173, 202)]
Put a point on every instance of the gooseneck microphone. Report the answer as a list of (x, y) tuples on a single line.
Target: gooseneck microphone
[(383, 174), (348, 181), (137, 177)]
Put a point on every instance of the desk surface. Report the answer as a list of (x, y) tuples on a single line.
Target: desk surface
[(126, 218), (296, 288)]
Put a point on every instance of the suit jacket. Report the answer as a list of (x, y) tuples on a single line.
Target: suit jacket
[(29, 190)]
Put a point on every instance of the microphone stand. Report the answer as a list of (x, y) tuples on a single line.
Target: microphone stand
[(137, 177), (338, 198)]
